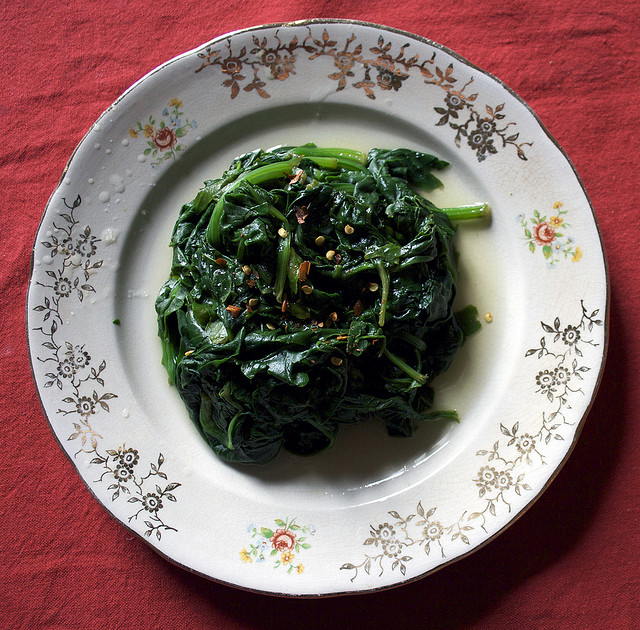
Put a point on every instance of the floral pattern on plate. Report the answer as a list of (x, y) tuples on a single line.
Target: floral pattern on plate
[(394, 543), (162, 133), (378, 69), (81, 379), (547, 234), (281, 546)]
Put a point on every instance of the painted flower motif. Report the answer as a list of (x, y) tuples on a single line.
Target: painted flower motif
[(63, 287), (67, 246), (433, 531), (561, 375), (66, 369), (481, 143), (165, 138), (486, 126), (122, 473), (231, 65), (279, 68), (548, 235), (79, 357), (279, 71), (287, 557), (162, 138), (477, 139), (543, 233), (85, 406), (545, 380), (385, 532), (152, 502), (392, 548), (245, 557), (525, 443), (344, 61), (556, 222), (389, 80), (271, 57), (86, 246), (128, 457), (453, 101), (487, 477), (280, 546), (283, 539), (570, 335), (504, 480)]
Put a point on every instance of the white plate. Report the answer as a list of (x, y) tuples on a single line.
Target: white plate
[(375, 511)]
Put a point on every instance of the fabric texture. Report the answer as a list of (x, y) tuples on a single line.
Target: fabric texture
[(571, 561)]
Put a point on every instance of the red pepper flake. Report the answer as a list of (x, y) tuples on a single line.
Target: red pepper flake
[(251, 282), (303, 270), (358, 307), (296, 178), (285, 304), (234, 310), (342, 337), (337, 258), (302, 213), (221, 261)]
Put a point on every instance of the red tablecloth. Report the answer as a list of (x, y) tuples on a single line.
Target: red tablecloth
[(571, 561)]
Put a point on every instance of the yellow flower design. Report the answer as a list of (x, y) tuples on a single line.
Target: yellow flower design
[(148, 131), (557, 204), (300, 568), (133, 133), (175, 102), (577, 256), (245, 557), (556, 222), (287, 557)]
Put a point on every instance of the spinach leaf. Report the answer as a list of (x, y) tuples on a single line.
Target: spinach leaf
[(311, 288)]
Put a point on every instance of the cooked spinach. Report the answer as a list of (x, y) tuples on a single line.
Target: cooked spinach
[(311, 288)]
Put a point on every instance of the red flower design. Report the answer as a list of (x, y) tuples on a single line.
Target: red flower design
[(543, 233), (283, 540), (165, 138)]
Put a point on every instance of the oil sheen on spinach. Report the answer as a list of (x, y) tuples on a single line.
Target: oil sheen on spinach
[(311, 288)]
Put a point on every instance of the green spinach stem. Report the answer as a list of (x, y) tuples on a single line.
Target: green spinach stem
[(407, 369), (385, 281), (466, 213)]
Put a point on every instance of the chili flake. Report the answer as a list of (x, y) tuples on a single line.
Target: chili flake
[(303, 270), (302, 213), (234, 310)]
